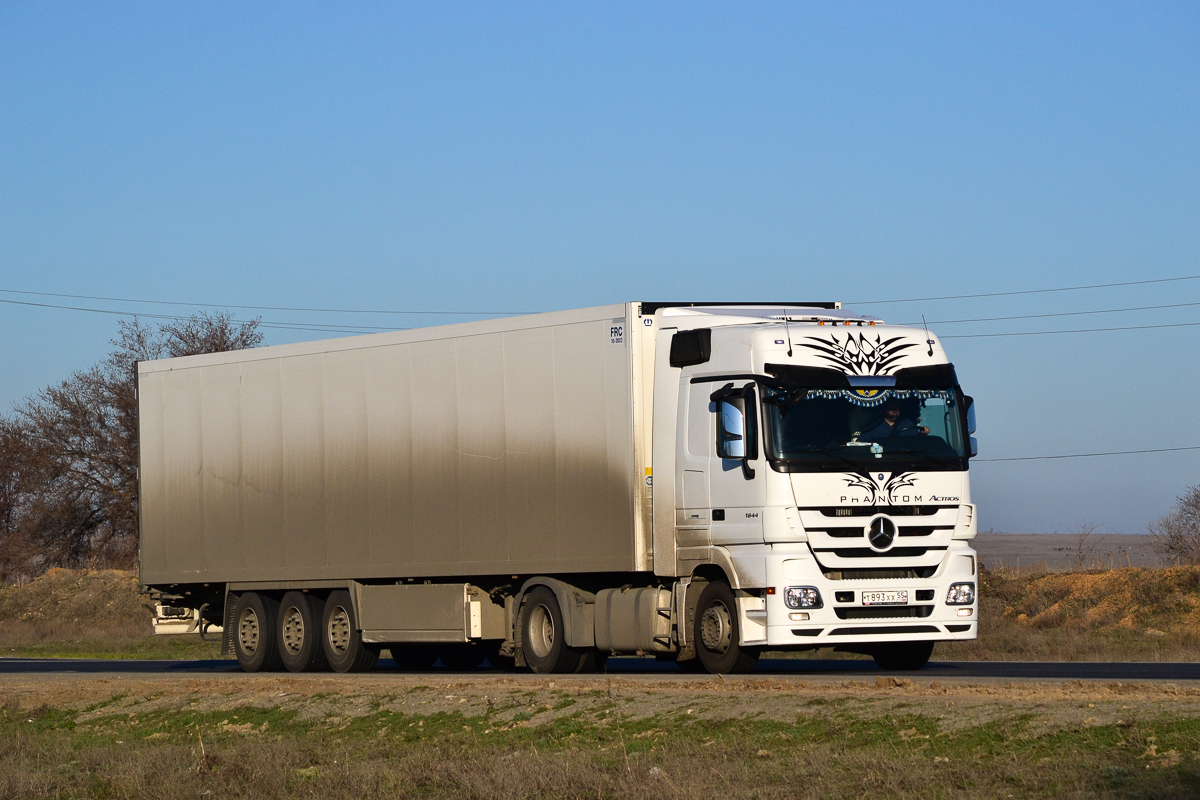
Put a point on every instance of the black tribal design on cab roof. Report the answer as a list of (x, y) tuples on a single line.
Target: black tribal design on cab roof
[(858, 354)]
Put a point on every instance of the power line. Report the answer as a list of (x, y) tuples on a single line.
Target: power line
[(1057, 314), (1092, 455), (1072, 330), (267, 308), (317, 327), (1023, 291)]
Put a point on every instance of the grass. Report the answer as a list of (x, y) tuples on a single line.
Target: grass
[(847, 750)]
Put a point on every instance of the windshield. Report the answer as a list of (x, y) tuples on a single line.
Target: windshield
[(872, 428)]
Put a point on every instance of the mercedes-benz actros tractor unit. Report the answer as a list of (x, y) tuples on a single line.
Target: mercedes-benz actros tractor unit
[(699, 482)]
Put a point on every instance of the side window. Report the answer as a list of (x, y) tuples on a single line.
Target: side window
[(700, 411)]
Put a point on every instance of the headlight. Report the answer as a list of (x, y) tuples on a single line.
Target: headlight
[(802, 597), (960, 594)]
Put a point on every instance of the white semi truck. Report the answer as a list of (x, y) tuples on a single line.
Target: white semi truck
[(694, 481)]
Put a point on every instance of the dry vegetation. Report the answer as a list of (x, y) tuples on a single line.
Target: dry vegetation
[(1128, 614), (589, 736), (94, 613), (1135, 614)]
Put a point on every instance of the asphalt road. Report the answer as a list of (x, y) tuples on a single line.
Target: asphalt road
[(792, 668)]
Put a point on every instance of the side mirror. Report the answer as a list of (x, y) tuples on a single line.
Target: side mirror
[(974, 447), (970, 403), (731, 441), (737, 433)]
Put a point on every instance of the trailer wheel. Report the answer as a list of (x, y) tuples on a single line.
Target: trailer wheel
[(254, 633), (462, 657), (902, 656), (543, 635), (417, 657), (717, 633), (341, 639), (299, 632)]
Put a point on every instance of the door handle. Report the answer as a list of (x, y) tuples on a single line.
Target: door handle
[(718, 514)]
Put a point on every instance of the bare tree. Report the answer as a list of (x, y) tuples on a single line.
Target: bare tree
[(1085, 544), (1177, 535), (68, 464)]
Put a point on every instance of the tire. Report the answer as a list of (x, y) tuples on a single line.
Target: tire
[(298, 633), (543, 636), (717, 633), (254, 639), (902, 656), (340, 637)]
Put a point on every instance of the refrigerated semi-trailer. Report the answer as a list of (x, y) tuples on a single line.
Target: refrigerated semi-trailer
[(694, 481)]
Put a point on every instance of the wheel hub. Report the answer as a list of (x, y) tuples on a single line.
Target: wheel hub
[(248, 631), (339, 630), (293, 631), (716, 628), (541, 631)]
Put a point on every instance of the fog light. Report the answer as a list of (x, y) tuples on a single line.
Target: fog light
[(960, 594), (966, 612), (802, 597), (798, 616)]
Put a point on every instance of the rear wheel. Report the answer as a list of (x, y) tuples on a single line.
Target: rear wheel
[(299, 632), (543, 636), (717, 633), (254, 639), (902, 656), (340, 637)]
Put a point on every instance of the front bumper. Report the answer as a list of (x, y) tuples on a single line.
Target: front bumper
[(767, 621)]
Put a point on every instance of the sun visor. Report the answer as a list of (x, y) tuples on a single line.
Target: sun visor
[(934, 376)]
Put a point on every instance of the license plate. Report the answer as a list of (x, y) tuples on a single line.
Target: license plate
[(898, 597)]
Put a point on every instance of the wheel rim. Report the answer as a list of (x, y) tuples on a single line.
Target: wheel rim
[(716, 628), (339, 630), (541, 631), (248, 631), (293, 631)]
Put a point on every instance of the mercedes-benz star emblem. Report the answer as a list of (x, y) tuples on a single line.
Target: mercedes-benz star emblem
[(881, 533)]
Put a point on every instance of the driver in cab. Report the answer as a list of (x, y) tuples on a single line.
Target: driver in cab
[(892, 423)]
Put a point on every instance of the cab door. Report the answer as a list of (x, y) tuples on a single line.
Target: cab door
[(737, 489), (692, 464)]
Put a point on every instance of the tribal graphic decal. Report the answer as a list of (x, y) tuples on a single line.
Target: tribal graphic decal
[(858, 355), (881, 494)]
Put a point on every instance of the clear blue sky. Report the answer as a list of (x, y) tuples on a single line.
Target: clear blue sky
[(521, 157)]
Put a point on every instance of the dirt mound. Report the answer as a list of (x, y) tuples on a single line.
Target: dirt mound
[(66, 603), (1149, 600)]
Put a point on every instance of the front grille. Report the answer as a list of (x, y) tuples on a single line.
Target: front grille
[(884, 612), (895, 552), (877, 573), (870, 511), (844, 533), (883, 629)]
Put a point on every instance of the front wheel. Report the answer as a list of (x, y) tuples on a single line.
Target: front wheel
[(902, 656), (717, 633)]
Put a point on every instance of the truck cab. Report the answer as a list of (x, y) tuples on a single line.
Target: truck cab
[(817, 462)]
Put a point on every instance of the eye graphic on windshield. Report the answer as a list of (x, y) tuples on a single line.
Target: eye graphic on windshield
[(858, 355)]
